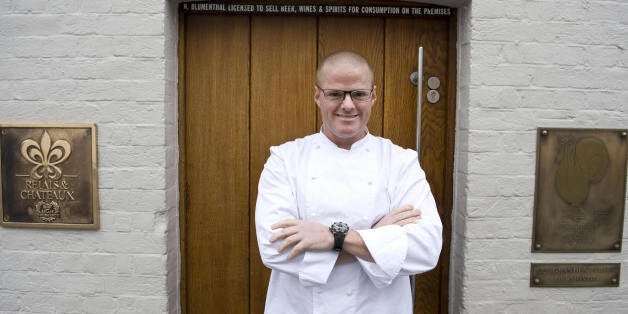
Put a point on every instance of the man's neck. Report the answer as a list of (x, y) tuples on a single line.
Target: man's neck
[(342, 142)]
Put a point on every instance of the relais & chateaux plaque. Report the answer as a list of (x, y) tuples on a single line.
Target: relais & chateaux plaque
[(580, 190), (48, 176)]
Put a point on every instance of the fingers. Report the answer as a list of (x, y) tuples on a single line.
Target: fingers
[(300, 236), (401, 209), (284, 224), (406, 211), (291, 238), (284, 233), (410, 214), (403, 215), (296, 242), (288, 242), (407, 217), (406, 221)]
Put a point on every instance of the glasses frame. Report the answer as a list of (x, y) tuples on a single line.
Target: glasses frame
[(350, 92)]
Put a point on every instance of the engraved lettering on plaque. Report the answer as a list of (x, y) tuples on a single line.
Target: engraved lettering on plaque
[(44, 185), (574, 274), (48, 176), (580, 190)]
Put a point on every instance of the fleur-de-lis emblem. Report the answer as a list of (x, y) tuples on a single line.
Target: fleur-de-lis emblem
[(45, 156)]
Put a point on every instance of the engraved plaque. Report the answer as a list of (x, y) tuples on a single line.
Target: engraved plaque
[(574, 275), (580, 190), (48, 176)]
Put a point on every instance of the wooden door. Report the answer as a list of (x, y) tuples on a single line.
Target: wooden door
[(247, 83)]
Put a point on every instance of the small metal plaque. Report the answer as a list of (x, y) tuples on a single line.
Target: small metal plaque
[(48, 176), (580, 190), (574, 275)]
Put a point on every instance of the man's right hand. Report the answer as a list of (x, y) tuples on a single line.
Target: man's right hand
[(401, 216)]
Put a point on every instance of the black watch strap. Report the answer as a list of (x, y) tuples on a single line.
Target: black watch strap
[(339, 230), (339, 239)]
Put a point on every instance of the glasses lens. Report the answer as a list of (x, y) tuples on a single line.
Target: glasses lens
[(334, 95), (360, 95)]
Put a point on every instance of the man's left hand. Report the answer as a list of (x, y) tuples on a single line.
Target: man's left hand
[(302, 235)]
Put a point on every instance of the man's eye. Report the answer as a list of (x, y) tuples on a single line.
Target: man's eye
[(360, 94), (335, 93)]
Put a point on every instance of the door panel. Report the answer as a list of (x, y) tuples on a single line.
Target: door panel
[(400, 111), (248, 84), (283, 57), (217, 164)]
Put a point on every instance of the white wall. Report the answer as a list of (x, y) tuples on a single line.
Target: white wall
[(112, 63), (525, 64)]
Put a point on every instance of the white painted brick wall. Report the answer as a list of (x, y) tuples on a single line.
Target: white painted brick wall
[(523, 65), (112, 63)]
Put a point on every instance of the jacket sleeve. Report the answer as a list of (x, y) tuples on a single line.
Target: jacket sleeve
[(413, 248), (277, 201)]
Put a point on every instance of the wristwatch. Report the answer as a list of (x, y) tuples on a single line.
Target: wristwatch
[(339, 230)]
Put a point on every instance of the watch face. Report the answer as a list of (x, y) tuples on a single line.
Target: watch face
[(339, 227)]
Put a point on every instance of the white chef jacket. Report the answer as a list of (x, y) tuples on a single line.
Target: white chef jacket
[(313, 179)]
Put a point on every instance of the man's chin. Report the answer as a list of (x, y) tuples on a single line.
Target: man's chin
[(350, 134)]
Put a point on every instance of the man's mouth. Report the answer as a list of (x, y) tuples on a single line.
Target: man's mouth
[(347, 116)]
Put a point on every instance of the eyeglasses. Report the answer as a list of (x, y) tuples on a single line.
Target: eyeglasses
[(357, 95)]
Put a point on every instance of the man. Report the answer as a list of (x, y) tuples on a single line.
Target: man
[(344, 217)]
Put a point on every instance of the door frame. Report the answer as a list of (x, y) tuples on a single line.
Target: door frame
[(450, 139)]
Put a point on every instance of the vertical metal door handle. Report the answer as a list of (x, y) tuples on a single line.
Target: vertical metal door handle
[(419, 97)]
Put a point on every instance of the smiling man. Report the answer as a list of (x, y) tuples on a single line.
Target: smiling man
[(345, 118), (343, 218)]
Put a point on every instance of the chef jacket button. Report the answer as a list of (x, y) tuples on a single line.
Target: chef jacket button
[(368, 150), (370, 183), (349, 293)]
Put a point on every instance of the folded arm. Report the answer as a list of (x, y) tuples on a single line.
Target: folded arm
[(277, 217), (414, 247)]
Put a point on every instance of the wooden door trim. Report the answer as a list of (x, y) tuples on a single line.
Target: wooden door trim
[(449, 162), (182, 158)]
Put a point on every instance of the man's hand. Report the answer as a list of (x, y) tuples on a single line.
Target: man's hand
[(302, 235), (401, 216)]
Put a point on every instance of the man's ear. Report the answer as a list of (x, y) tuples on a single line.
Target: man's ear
[(374, 97), (317, 95)]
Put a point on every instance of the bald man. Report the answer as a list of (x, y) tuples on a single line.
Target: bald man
[(343, 218)]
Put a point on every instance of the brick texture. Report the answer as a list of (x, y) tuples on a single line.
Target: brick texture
[(112, 63), (524, 65)]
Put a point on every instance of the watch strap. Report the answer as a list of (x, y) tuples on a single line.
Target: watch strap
[(339, 230), (339, 239)]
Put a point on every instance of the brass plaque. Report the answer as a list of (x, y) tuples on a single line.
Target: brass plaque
[(48, 176), (574, 275), (580, 190)]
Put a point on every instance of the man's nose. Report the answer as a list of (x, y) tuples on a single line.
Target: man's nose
[(347, 101)]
